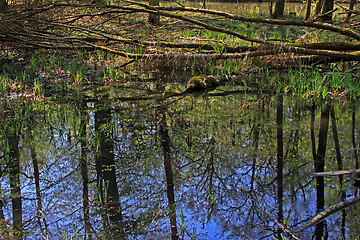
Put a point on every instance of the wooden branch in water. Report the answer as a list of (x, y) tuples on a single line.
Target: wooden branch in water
[(282, 226), (335, 173), (327, 212)]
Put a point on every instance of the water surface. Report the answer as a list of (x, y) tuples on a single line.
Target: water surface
[(214, 167)]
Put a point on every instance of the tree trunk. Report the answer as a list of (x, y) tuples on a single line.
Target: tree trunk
[(165, 143), (153, 18), (351, 8), (318, 7), (106, 172), (327, 7), (319, 164), (308, 10), (279, 8), (3, 4), (84, 169), (203, 4), (280, 158), (353, 134), (14, 173), (41, 221)]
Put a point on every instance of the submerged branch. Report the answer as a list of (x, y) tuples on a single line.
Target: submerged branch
[(327, 212), (335, 173)]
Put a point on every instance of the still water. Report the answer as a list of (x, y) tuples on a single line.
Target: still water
[(235, 166)]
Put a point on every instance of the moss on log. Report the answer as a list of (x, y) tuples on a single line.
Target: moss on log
[(202, 83)]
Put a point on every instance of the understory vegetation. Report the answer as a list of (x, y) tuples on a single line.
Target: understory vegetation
[(61, 48)]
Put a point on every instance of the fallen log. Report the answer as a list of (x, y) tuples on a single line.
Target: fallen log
[(327, 212), (335, 173)]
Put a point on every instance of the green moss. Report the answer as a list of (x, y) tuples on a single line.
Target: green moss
[(202, 82)]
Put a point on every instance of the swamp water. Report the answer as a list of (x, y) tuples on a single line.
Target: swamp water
[(212, 167)]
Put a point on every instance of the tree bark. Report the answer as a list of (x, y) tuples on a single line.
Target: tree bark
[(308, 10), (165, 143), (319, 164), (279, 8), (318, 6), (280, 158), (14, 173), (106, 172), (44, 226), (328, 6), (84, 169), (3, 4), (154, 18), (353, 136), (351, 8)]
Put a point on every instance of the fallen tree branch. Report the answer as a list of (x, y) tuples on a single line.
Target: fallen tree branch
[(327, 212), (282, 226), (323, 26), (335, 173), (29, 32)]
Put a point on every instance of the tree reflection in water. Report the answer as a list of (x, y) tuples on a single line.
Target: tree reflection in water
[(125, 170)]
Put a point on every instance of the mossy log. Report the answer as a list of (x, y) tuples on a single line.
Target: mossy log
[(200, 84), (333, 46)]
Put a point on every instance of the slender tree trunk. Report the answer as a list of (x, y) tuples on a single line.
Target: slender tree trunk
[(4, 230), (84, 170), (13, 159), (353, 134), (336, 141), (13, 165), (354, 145), (153, 18), (318, 6), (105, 164), (339, 162), (203, 4), (165, 143), (255, 143), (280, 158), (279, 8), (37, 183), (308, 10), (3, 4), (327, 7), (312, 131), (351, 8), (319, 163), (271, 5), (14, 172)]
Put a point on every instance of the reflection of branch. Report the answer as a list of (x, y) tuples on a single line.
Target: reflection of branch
[(282, 226)]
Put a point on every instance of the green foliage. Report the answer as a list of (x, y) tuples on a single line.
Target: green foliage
[(39, 88), (212, 197), (314, 84)]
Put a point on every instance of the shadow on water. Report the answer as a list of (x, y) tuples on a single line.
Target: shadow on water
[(231, 166)]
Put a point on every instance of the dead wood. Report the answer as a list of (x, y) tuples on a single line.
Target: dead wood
[(318, 25), (38, 29), (335, 173), (327, 212)]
